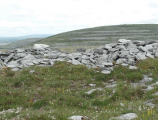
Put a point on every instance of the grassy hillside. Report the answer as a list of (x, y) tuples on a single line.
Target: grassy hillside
[(101, 35), (20, 43), (58, 92)]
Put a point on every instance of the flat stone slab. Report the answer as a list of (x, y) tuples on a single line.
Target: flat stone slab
[(89, 92), (111, 86), (76, 62), (78, 117), (40, 46), (106, 72), (124, 41), (133, 67), (128, 116), (92, 85), (120, 61), (108, 47)]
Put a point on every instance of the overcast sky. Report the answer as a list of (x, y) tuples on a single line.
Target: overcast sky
[(24, 17)]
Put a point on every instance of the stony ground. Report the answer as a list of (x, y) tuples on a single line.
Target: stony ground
[(43, 83)]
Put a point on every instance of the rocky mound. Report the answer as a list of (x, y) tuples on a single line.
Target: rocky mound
[(125, 52)]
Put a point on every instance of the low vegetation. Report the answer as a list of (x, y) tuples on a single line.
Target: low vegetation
[(58, 92)]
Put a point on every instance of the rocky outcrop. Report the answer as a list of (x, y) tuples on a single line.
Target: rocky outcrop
[(125, 52)]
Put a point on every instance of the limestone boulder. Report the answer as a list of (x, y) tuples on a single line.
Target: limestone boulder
[(128, 116), (156, 53), (40, 46)]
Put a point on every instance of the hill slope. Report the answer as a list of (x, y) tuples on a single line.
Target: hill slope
[(20, 43), (12, 39), (101, 35)]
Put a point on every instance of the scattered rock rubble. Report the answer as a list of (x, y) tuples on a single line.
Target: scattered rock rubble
[(125, 52)]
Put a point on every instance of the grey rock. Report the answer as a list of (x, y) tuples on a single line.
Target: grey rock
[(105, 51), (85, 61), (139, 43), (141, 56), (128, 116), (156, 53), (149, 47), (111, 86), (46, 55), (62, 55), (146, 79), (150, 87), (40, 46), (144, 49), (76, 55), (113, 57), (78, 117), (75, 62), (131, 45), (45, 60), (92, 61), (51, 63), (91, 91), (36, 61), (29, 63), (15, 69), (149, 103), (102, 59), (155, 45), (112, 50), (133, 50), (9, 57), (38, 56), (149, 55), (52, 56), (106, 72), (121, 60), (133, 67), (29, 57), (121, 47), (20, 55), (107, 47), (124, 64), (85, 57), (20, 50), (60, 59), (31, 71), (92, 85), (123, 41), (131, 61), (123, 54)]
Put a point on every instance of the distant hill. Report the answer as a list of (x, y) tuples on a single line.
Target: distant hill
[(20, 43), (102, 35), (12, 39)]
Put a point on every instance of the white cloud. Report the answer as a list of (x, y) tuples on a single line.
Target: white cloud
[(55, 16)]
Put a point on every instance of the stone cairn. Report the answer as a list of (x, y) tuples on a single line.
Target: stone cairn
[(125, 52)]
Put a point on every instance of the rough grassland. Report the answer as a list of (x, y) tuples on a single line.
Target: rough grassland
[(45, 93)]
